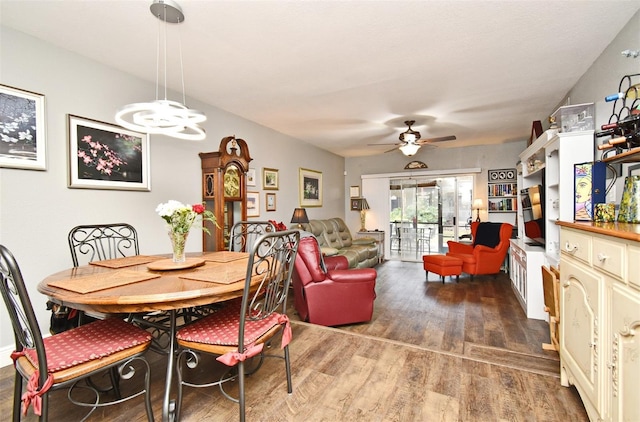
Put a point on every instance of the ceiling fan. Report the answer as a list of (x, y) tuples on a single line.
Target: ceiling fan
[(410, 141)]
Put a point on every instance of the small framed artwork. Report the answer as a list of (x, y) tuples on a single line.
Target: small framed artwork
[(354, 192), (251, 177), (269, 179), (106, 156), (310, 185), (355, 204), (271, 201), (22, 129), (634, 170), (253, 204)]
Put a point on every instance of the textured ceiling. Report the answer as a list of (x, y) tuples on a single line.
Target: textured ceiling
[(344, 74)]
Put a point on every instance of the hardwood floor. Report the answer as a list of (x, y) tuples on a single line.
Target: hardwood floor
[(433, 352)]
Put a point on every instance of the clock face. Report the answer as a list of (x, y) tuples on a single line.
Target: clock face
[(231, 183)]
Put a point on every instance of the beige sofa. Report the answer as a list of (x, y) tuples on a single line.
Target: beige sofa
[(335, 238)]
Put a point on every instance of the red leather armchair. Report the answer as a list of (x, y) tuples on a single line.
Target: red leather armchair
[(332, 296), (489, 248)]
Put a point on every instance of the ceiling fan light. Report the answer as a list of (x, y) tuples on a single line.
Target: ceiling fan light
[(409, 149), (409, 137)]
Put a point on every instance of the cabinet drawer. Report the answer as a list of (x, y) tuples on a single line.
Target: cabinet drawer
[(633, 266), (608, 256), (576, 244)]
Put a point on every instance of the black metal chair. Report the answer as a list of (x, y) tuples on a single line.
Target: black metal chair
[(63, 360), (98, 242), (241, 329), (244, 234)]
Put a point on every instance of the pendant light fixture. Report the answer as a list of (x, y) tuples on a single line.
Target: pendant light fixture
[(163, 116)]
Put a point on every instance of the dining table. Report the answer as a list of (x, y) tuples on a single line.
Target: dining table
[(150, 283)]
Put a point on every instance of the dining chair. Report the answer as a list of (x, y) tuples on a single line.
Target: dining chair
[(63, 360), (98, 242), (244, 234), (241, 329)]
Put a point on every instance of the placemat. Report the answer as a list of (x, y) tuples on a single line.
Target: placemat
[(102, 281), (222, 274), (225, 256), (127, 261)]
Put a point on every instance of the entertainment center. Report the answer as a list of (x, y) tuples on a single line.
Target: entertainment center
[(545, 168)]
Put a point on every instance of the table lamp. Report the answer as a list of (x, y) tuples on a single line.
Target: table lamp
[(477, 205), (363, 206), (300, 217)]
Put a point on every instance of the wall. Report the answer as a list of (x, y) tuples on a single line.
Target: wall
[(37, 210), (436, 158)]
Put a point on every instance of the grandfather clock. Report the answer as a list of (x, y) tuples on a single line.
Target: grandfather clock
[(224, 189)]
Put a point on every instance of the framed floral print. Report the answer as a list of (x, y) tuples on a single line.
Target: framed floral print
[(269, 179), (310, 185), (22, 129), (253, 204), (271, 201), (106, 156)]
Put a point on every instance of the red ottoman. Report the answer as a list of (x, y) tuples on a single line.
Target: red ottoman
[(442, 265)]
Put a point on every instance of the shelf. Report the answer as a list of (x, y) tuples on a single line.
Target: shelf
[(498, 211), (631, 156), (501, 197), (536, 171)]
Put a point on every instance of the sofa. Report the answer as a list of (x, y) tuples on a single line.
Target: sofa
[(335, 238)]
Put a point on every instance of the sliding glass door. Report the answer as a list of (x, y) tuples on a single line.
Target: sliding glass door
[(426, 213)]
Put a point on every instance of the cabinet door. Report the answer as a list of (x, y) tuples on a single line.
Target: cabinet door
[(581, 331), (625, 357)]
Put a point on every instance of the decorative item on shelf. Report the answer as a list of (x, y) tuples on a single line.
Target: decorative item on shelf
[(299, 217), (604, 213), (363, 206), (477, 205), (164, 117), (589, 188), (630, 204), (180, 218)]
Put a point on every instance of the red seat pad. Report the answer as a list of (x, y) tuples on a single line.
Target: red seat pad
[(89, 342), (221, 328)]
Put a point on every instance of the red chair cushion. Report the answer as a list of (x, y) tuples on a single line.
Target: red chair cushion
[(89, 342), (221, 328)]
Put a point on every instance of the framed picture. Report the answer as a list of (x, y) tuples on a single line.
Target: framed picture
[(355, 204), (22, 129), (354, 192), (310, 185), (269, 179), (253, 204), (251, 177), (106, 156), (271, 201), (634, 170)]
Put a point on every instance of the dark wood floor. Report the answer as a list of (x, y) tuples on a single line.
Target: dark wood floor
[(433, 352)]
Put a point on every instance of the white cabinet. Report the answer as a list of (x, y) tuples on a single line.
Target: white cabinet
[(600, 317), (524, 270), (549, 161)]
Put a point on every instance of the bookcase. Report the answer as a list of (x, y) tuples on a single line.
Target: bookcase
[(502, 195)]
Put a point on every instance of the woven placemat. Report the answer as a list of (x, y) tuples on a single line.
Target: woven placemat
[(225, 256), (127, 261), (219, 273), (102, 281)]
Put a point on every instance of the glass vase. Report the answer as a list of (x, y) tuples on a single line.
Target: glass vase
[(178, 241)]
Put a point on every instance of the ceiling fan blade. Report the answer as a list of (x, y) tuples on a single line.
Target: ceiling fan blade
[(392, 149), (375, 145), (441, 139)]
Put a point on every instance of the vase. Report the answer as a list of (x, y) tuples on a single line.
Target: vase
[(178, 241), (630, 204)]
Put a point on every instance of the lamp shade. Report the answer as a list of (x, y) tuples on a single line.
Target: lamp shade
[(409, 149), (299, 216), (478, 204), (363, 204)]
